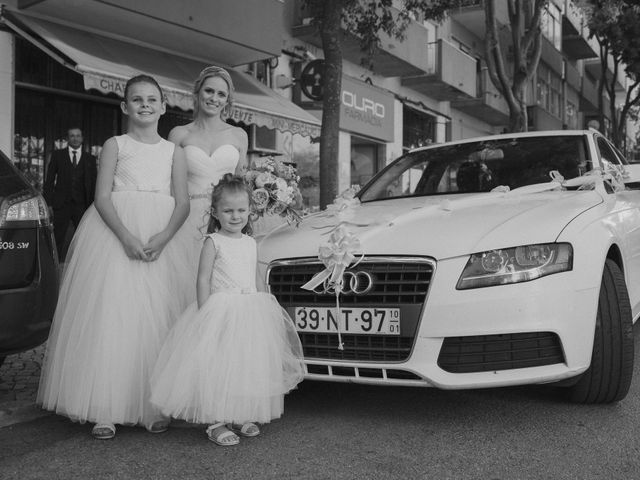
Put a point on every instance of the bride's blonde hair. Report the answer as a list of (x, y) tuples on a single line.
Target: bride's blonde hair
[(210, 72)]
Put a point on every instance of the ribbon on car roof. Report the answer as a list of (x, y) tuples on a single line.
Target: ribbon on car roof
[(592, 180)]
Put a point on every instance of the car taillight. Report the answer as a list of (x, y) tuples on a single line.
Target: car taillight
[(24, 207)]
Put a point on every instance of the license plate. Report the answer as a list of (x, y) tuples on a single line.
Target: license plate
[(377, 321)]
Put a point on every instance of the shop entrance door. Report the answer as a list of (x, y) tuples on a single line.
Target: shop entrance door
[(365, 156)]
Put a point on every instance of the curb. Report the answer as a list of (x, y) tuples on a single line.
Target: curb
[(12, 413)]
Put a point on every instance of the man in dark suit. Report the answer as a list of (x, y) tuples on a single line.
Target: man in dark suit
[(70, 185)]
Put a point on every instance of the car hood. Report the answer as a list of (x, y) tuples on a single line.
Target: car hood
[(439, 227)]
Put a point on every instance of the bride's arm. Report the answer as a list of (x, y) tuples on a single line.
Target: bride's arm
[(243, 146)]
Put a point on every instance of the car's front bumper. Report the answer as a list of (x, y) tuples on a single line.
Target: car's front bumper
[(559, 305)]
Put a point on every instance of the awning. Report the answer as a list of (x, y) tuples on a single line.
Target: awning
[(106, 63)]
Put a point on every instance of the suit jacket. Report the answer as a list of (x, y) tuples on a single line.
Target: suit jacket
[(57, 185)]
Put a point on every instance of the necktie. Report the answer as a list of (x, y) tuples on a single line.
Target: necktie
[(74, 159)]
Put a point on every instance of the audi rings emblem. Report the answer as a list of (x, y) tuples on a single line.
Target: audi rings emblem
[(353, 283)]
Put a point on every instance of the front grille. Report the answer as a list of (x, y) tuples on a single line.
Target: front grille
[(395, 282), (401, 282), (486, 353)]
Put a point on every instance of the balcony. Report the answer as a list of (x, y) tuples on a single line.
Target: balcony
[(470, 14), (394, 58), (594, 68), (572, 76), (588, 97), (575, 41), (451, 74), (490, 105), (539, 119), (551, 56)]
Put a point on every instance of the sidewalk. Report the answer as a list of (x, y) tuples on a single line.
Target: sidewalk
[(19, 377)]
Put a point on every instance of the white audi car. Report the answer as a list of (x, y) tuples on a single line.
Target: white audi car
[(504, 260)]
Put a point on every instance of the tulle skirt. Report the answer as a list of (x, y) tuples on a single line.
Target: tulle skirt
[(190, 238), (230, 361), (112, 317)]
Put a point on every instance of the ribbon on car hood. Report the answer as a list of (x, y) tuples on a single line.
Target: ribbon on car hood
[(338, 253)]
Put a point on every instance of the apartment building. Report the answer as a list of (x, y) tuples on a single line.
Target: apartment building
[(434, 86), (64, 63)]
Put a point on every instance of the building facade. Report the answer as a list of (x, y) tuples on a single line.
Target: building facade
[(65, 63), (434, 85)]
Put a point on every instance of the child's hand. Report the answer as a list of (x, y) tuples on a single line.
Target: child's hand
[(154, 246), (134, 249)]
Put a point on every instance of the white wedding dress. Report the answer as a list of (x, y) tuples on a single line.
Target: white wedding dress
[(114, 313), (204, 171), (233, 359)]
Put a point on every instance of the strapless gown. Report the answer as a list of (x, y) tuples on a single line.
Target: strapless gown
[(204, 171)]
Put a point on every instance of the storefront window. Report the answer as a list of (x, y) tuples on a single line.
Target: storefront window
[(306, 159), (43, 119), (30, 127), (364, 161), (419, 128)]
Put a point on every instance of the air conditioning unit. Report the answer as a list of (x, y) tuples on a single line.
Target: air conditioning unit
[(263, 140)]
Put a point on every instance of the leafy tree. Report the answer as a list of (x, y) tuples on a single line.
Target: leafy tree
[(616, 26), (365, 20)]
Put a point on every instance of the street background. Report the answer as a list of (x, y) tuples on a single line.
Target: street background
[(340, 431)]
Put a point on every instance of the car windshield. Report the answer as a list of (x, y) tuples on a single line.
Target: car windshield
[(479, 167)]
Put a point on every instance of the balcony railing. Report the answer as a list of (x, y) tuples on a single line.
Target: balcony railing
[(572, 76), (594, 67), (588, 96), (574, 16), (450, 73), (575, 34), (394, 57), (489, 105)]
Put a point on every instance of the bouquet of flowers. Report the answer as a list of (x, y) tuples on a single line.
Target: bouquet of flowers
[(274, 187)]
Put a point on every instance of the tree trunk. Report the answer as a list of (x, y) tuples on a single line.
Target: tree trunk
[(604, 53), (526, 52), (329, 141), (518, 117)]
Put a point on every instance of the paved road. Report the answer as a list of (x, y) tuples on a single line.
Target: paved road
[(341, 431)]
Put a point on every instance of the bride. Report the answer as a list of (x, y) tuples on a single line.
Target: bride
[(212, 148)]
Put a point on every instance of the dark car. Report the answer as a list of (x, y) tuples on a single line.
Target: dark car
[(28, 263)]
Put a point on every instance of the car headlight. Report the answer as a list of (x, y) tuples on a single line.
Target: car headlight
[(514, 265)]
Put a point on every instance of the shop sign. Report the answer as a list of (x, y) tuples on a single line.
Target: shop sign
[(184, 100), (366, 110), (113, 84)]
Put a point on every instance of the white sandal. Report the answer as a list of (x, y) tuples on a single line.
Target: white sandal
[(226, 438), (103, 431), (247, 429)]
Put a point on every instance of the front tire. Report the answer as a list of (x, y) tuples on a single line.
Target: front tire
[(609, 375)]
